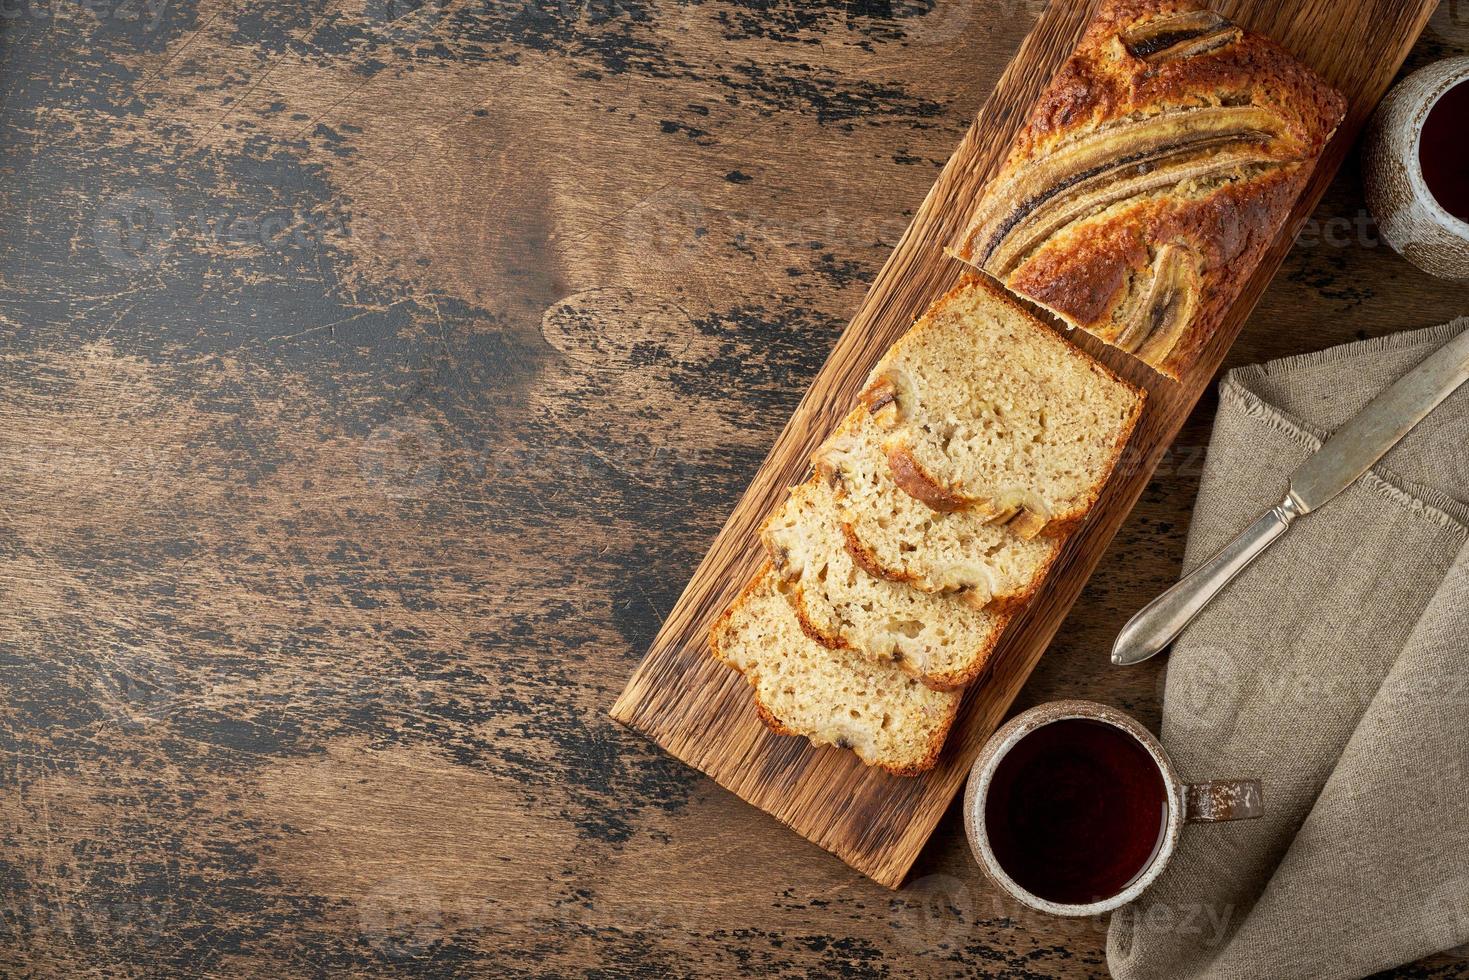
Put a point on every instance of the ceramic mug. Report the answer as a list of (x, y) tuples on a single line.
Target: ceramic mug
[(1410, 217), (1181, 803)]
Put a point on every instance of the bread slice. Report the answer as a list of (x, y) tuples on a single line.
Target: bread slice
[(894, 536), (832, 697), (988, 409), (940, 639)]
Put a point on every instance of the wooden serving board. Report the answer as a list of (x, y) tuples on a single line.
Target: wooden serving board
[(702, 711)]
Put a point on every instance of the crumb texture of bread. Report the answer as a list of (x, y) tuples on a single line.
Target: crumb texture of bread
[(938, 638), (987, 409), (1151, 177), (893, 535), (832, 697)]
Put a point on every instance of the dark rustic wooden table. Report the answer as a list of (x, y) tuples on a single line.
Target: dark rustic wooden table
[(373, 378)]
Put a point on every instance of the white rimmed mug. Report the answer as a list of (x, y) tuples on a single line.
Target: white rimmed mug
[(1408, 215), (1187, 802)]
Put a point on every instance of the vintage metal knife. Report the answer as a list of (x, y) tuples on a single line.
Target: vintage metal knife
[(1344, 457)]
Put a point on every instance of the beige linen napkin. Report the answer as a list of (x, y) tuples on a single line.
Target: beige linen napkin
[(1336, 670)]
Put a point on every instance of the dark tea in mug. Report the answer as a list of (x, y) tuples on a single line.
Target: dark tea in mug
[(1077, 810), (1441, 153)]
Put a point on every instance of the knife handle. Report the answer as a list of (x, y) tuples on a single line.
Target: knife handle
[(1159, 622)]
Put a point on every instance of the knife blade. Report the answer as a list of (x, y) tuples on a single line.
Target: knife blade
[(1341, 460), (1367, 436)]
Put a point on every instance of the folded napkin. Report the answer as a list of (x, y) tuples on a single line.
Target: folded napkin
[(1336, 670)]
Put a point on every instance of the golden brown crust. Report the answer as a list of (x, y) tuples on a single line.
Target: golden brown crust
[(1012, 605), (1074, 521), (1103, 81), (954, 680), (771, 722), (929, 760), (935, 746), (937, 681), (914, 480), (936, 742), (1086, 281), (911, 477), (1009, 604), (795, 593), (832, 641), (865, 559), (1152, 175), (719, 624)]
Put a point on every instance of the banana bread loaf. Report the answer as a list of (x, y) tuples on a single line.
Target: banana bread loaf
[(1151, 176)]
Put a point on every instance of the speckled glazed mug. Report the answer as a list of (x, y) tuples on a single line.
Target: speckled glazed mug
[(1184, 802), (1409, 215)]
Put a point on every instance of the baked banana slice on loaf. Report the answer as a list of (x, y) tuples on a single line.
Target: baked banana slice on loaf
[(987, 409), (1151, 177), (892, 535), (940, 639), (832, 697)]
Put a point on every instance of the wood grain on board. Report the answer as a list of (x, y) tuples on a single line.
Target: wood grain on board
[(702, 711)]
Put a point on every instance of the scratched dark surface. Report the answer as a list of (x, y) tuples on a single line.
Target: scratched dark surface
[(373, 377)]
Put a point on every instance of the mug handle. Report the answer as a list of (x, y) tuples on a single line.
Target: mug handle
[(1222, 799)]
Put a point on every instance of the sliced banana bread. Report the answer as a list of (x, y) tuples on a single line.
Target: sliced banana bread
[(832, 697), (894, 536), (988, 409), (938, 638)]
